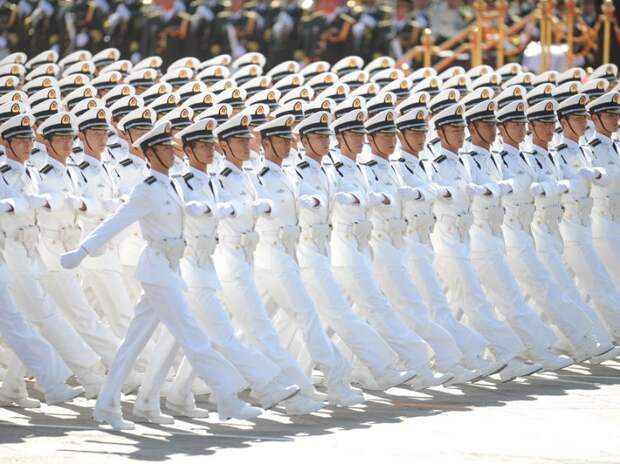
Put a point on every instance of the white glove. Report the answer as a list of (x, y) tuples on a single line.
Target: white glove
[(35, 201), (475, 190), (196, 208), (409, 193), (344, 198), (443, 192), (111, 204), (506, 189), (563, 187), (223, 210), (74, 202), (308, 202), (588, 173), (537, 189), (5, 206), (374, 199), (73, 258), (261, 207)]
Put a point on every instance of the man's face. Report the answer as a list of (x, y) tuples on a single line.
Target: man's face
[(203, 151), (281, 146), (19, 148), (413, 140), (543, 130), (353, 140), (515, 131), (385, 142), (319, 143), (486, 129), (165, 154), (95, 140), (61, 144), (608, 120), (454, 136), (575, 123), (240, 146)]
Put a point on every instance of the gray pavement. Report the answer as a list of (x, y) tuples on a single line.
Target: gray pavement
[(572, 416)]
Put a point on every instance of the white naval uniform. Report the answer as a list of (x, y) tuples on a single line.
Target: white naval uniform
[(97, 187), (30, 350), (453, 259), (22, 258), (606, 203), (278, 275), (550, 299), (233, 260), (316, 273), (202, 285), (549, 245), (419, 253), (488, 255), (60, 232), (579, 253), (352, 265), (132, 170), (159, 210), (388, 245)]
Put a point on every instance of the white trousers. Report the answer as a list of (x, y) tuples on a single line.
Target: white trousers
[(465, 293), (255, 367), (504, 293), (594, 280), (285, 288), (31, 352), (46, 316), (359, 337), (605, 234), (168, 306), (359, 284), (398, 287), (419, 263), (241, 297), (65, 288)]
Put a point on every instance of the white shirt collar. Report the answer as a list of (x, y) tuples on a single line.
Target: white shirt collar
[(380, 161), (571, 144), (56, 164), (510, 149), (539, 149), (449, 154), (160, 177), (90, 160), (312, 163), (272, 166), (202, 175), (481, 151), (227, 164), (603, 138), (15, 165)]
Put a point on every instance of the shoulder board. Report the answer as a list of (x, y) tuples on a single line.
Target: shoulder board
[(594, 142), (303, 165), (224, 172), (558, 130), (114, 145), (561, 146), (150, 180), (35, 151), (338, 164), (503, 153), (263, 171), (84, 164), (434, 141), (126, 162), (76, 150), (469, 153), (45, 169), (188, 176), (369, 163), (5, 168), (440, 158), (528, 153)]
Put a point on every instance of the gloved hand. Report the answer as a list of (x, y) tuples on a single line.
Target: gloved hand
[(74, 202), (475, 190), (35, 201), (261, 206), (196, 208), (588, 173), (111, 204), (537, 189), (5, 206), (409, 193), (374, 198), (73, 258), (563, 187), (506, 189), (223, 210), (308, 202), (344, 198)]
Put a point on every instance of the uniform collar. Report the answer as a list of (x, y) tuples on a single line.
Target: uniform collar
[(91, 161), (137, 160), (345, 160), (311, 163), (272, 166), (481, 151), (510, 149), (404, 154), (57, 165), (603, 138), (572, 145), (203, 176), (160, 177), (540, 150), (227, 164), (15, 166), (380, 161), (449, 154)]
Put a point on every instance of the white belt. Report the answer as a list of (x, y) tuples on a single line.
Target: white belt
[(68, 236), (172, 249), (359, 230), (246, 241), (394, 229), (283, 235), (201, 248), (460, 222), (520, 214)]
